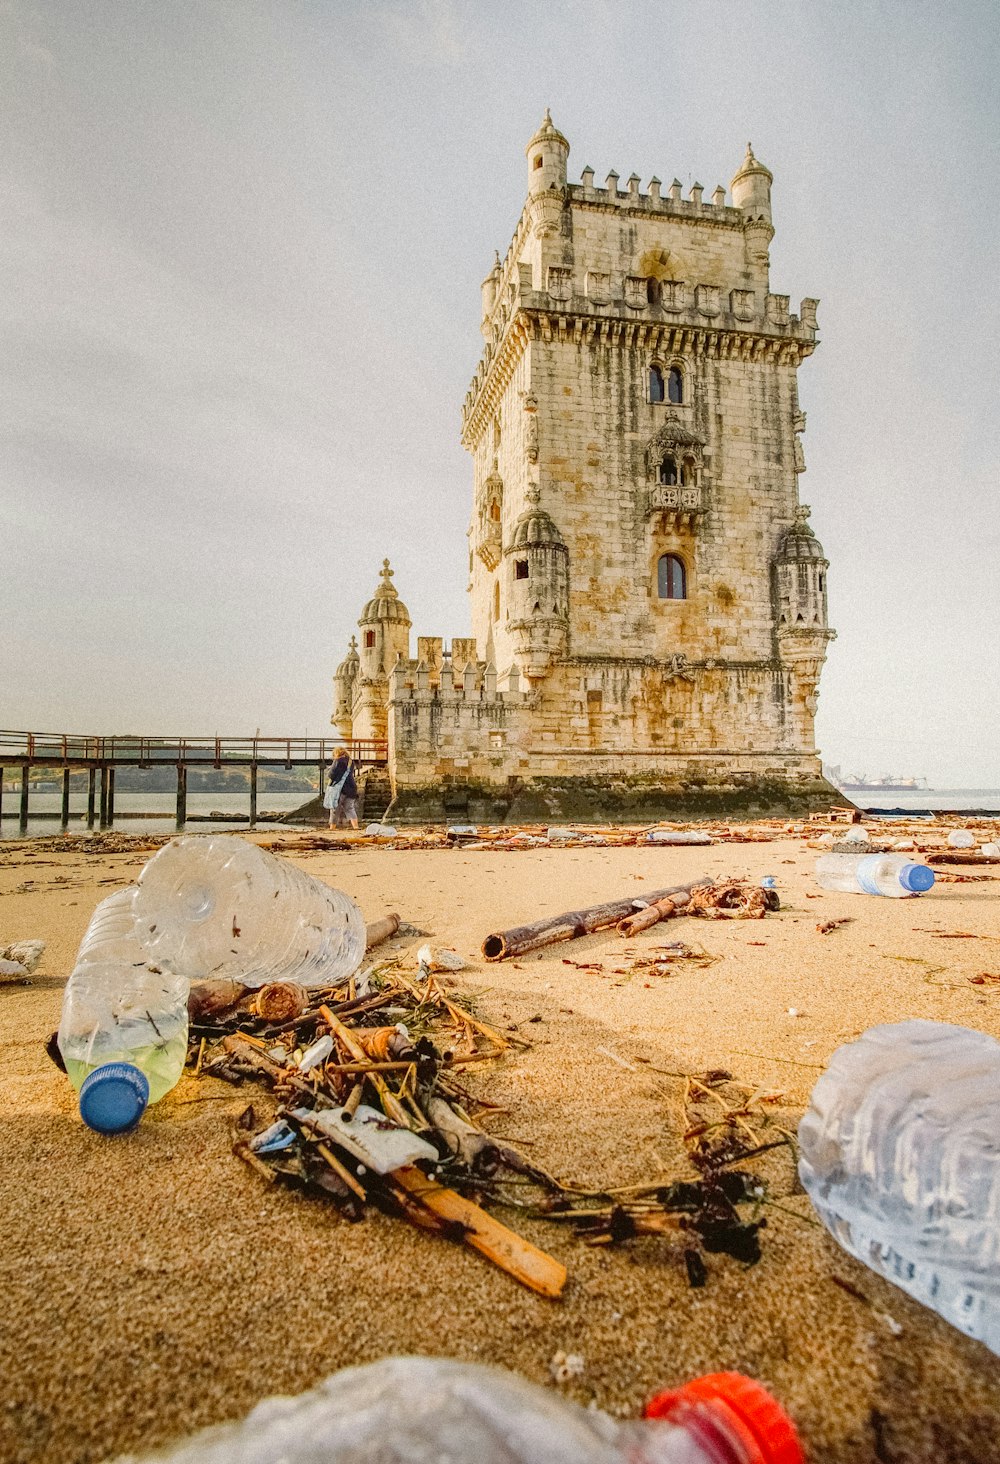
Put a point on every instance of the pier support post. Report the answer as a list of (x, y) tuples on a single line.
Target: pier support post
[(22, 822), (111, 797), (103, 820), (65, 798), (182, 794), (3, 771), (253, 795), (91, 795)]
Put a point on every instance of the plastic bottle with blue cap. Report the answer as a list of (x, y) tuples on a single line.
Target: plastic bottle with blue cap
[(124, 1027), (873, 874)]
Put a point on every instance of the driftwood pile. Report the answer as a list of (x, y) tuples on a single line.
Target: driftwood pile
[(372, 1109)]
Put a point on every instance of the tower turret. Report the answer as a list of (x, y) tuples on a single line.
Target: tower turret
[(537, 570), (489, 288), (752, 187), (801, 575), (343, 690), (752, 195), (546, 153), (385, 628)]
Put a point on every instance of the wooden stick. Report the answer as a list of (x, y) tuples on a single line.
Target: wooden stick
[(384, 929), (393, 1108), (652, 915), (503, 944), (511, 1252)]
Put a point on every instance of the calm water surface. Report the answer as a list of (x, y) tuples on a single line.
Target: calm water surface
[(162, 805)]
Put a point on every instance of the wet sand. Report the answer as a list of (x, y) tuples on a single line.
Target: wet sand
[(153, 1284)]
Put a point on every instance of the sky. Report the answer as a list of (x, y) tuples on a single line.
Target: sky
[(241, 254)]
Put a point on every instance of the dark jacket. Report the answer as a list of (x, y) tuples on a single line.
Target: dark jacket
[(350, 788)]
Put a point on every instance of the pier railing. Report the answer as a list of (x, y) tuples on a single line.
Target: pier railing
[(58, 748), (100, 756)]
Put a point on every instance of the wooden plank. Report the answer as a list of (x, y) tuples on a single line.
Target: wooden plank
[(511, 1252)]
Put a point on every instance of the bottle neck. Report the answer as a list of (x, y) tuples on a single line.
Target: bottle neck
[(695, 1434)]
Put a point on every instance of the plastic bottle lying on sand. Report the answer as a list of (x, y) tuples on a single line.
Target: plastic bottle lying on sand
[(220, 906), (425, 1410), (898, 1153), (961, 839), (124, 1027), (992, 851), (873, 874)]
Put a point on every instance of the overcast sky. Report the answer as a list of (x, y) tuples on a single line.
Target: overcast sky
[(241, 252)]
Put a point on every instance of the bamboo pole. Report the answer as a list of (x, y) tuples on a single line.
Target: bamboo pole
[(503, 944)]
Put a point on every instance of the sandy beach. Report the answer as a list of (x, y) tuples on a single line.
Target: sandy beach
[(153, 1284)]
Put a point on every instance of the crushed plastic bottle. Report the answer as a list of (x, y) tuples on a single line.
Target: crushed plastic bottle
[(426, 1410), (899, 1155), (856, 835), (219, 906), (992, 851), (124, 1026), (961, 839), (873, 874)]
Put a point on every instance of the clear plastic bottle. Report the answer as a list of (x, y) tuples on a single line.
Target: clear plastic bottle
[(428, 1410), (961, 839), (219, 906), (124, 1026), (873, 874), (900, 1155)]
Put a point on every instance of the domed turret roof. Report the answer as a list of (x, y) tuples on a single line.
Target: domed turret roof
[(800, 542), (385, 604), (534, 528), (750, 164), (348, 667), (548, 132)]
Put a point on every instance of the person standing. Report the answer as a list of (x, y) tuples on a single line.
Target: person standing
[(342, 792)]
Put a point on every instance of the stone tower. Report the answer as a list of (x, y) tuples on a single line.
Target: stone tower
[(648, 601)]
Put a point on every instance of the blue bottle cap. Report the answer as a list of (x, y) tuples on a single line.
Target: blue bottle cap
[(917, 878), (114, 1097)]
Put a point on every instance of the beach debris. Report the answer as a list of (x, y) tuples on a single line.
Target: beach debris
[(961, 839), (502, 944), (12, 973), (380, 831), (825, 926), (440, 958), (678, 836), (564, 1366), (23, 953), (378, 931), (651, 914), (963, 856), (733, 899)]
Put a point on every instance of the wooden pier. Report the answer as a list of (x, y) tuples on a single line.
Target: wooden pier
[(100, 756)]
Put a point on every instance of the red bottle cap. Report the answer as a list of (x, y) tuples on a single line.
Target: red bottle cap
[(744, 1407)]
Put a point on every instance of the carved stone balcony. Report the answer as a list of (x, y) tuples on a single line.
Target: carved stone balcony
[(489, 543), (679, 505)]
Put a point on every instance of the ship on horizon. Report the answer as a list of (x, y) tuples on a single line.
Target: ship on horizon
[(862, 783)]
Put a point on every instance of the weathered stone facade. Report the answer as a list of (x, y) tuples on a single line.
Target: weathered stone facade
[(648, 601)]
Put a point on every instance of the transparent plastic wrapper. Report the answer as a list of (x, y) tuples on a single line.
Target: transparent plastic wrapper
[(961, 839), (900, 1155), (873, 874), (424, 1410), (124, 1025), (221, 907)]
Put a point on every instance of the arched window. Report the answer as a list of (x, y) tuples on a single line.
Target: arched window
[(538, 161), (671, 578), (675, 386), (653, 292), (656, 392), (668, 469), (496, 599)]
